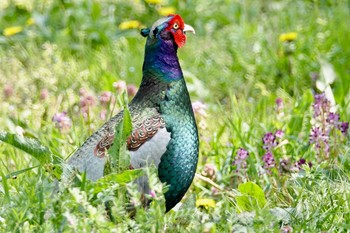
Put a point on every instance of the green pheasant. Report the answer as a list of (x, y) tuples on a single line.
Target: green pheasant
[(164, 128)]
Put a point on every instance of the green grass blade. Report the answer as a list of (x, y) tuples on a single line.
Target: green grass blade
[(120, 159), (5, 186), (16, 173)]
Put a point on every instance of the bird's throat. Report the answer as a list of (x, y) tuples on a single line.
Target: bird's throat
[(161, 61)]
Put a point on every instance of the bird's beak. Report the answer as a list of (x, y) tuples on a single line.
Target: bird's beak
[(189, 28)]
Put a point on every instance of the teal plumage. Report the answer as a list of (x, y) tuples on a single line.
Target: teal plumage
[(164, 127), (178, 164)]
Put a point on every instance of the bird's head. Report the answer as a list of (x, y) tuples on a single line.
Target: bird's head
[(169, 29)]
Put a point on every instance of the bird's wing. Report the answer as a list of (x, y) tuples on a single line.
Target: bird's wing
[(148, 141), (146, 144), (89, 158)]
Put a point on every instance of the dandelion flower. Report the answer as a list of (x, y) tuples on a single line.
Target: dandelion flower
[(288, 37), (206, 202), (10, 31), (165, 11), (154, 1), (131, 24)]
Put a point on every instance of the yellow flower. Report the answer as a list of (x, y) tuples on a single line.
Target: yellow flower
[(154, 1), (290, 36), (129, 24), (167, 10), (205, 202), (30, 21), (10, 31)]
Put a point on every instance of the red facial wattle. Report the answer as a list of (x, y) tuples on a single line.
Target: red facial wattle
[(180, 38), (179, 35)]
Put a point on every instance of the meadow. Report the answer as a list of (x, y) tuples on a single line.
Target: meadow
[(269, 83)]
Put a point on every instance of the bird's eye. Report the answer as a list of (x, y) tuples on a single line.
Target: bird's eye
[(175, 26)]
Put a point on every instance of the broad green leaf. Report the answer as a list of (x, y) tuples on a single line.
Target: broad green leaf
[(252, 198), (119, 158), (29, 145), (114, 178)]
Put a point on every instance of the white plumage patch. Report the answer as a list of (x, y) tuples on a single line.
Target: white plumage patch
[(151, 151), (157, 23)]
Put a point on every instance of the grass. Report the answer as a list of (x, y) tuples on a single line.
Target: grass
[(235, 64)]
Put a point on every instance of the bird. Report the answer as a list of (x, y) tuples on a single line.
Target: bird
[(164, 131)]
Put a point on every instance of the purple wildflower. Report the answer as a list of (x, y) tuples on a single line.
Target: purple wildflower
[(103, 114), (284, 165), (87, 100), (279, 104), (321, 105), (320, 140), (315, 135), (62, 121), (83, 91), (286, 229), (240, 160), (44, 94), (105, 98), (8, 90), (279, 134), (298, 165), (344, 126), (209, 171), (199, 109), (333, 119), (120, 86), (302, 161), (242, 154), (131, 90), (214, 191), (269, 141), (152, 194), (269, 160), (314, 76)]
